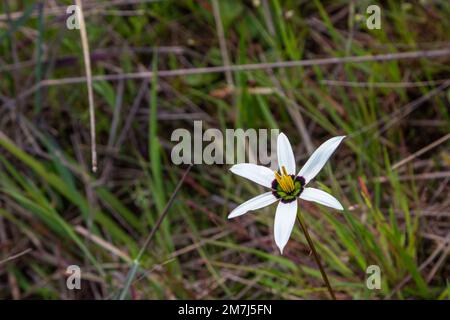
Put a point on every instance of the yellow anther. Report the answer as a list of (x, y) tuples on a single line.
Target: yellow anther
[(285, 180)]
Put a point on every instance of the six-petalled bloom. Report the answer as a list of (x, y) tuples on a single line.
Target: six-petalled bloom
[(287, 186)]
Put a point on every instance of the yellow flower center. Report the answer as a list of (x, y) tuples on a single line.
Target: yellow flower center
[(284, 180)]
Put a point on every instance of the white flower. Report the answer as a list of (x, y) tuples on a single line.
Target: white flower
[(287, 186)]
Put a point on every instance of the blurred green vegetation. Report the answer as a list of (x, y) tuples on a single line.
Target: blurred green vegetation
[(51, 202)]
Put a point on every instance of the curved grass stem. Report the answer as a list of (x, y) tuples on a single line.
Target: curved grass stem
[(135, 266)]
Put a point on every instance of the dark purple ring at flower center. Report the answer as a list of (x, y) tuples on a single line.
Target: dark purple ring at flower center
[(287, 197)]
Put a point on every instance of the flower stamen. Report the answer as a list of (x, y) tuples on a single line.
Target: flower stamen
[(285, 180)]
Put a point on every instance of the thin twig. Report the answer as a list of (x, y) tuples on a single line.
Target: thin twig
[(102, 243), (87, 64), (421, 151), (419, 176), (91, 8), (410, 107), (234, 68), (401, 112), (17, 255), (257, 66), (222, 42), (134, 268), (316, 257), (164, 213), (402, 84)]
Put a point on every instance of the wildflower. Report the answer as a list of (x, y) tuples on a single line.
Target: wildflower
[(287, 186)]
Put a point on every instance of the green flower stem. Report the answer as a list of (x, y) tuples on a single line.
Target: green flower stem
[(314, 252)]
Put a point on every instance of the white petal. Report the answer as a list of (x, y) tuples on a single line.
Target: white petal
[(319, 157), (284, 222), (258, 202), (259, 174), (319, 196), (285, 155)]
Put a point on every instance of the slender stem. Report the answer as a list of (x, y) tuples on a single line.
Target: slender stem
[(316, 256), (164, 213), (135, 266), (88, 69)]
